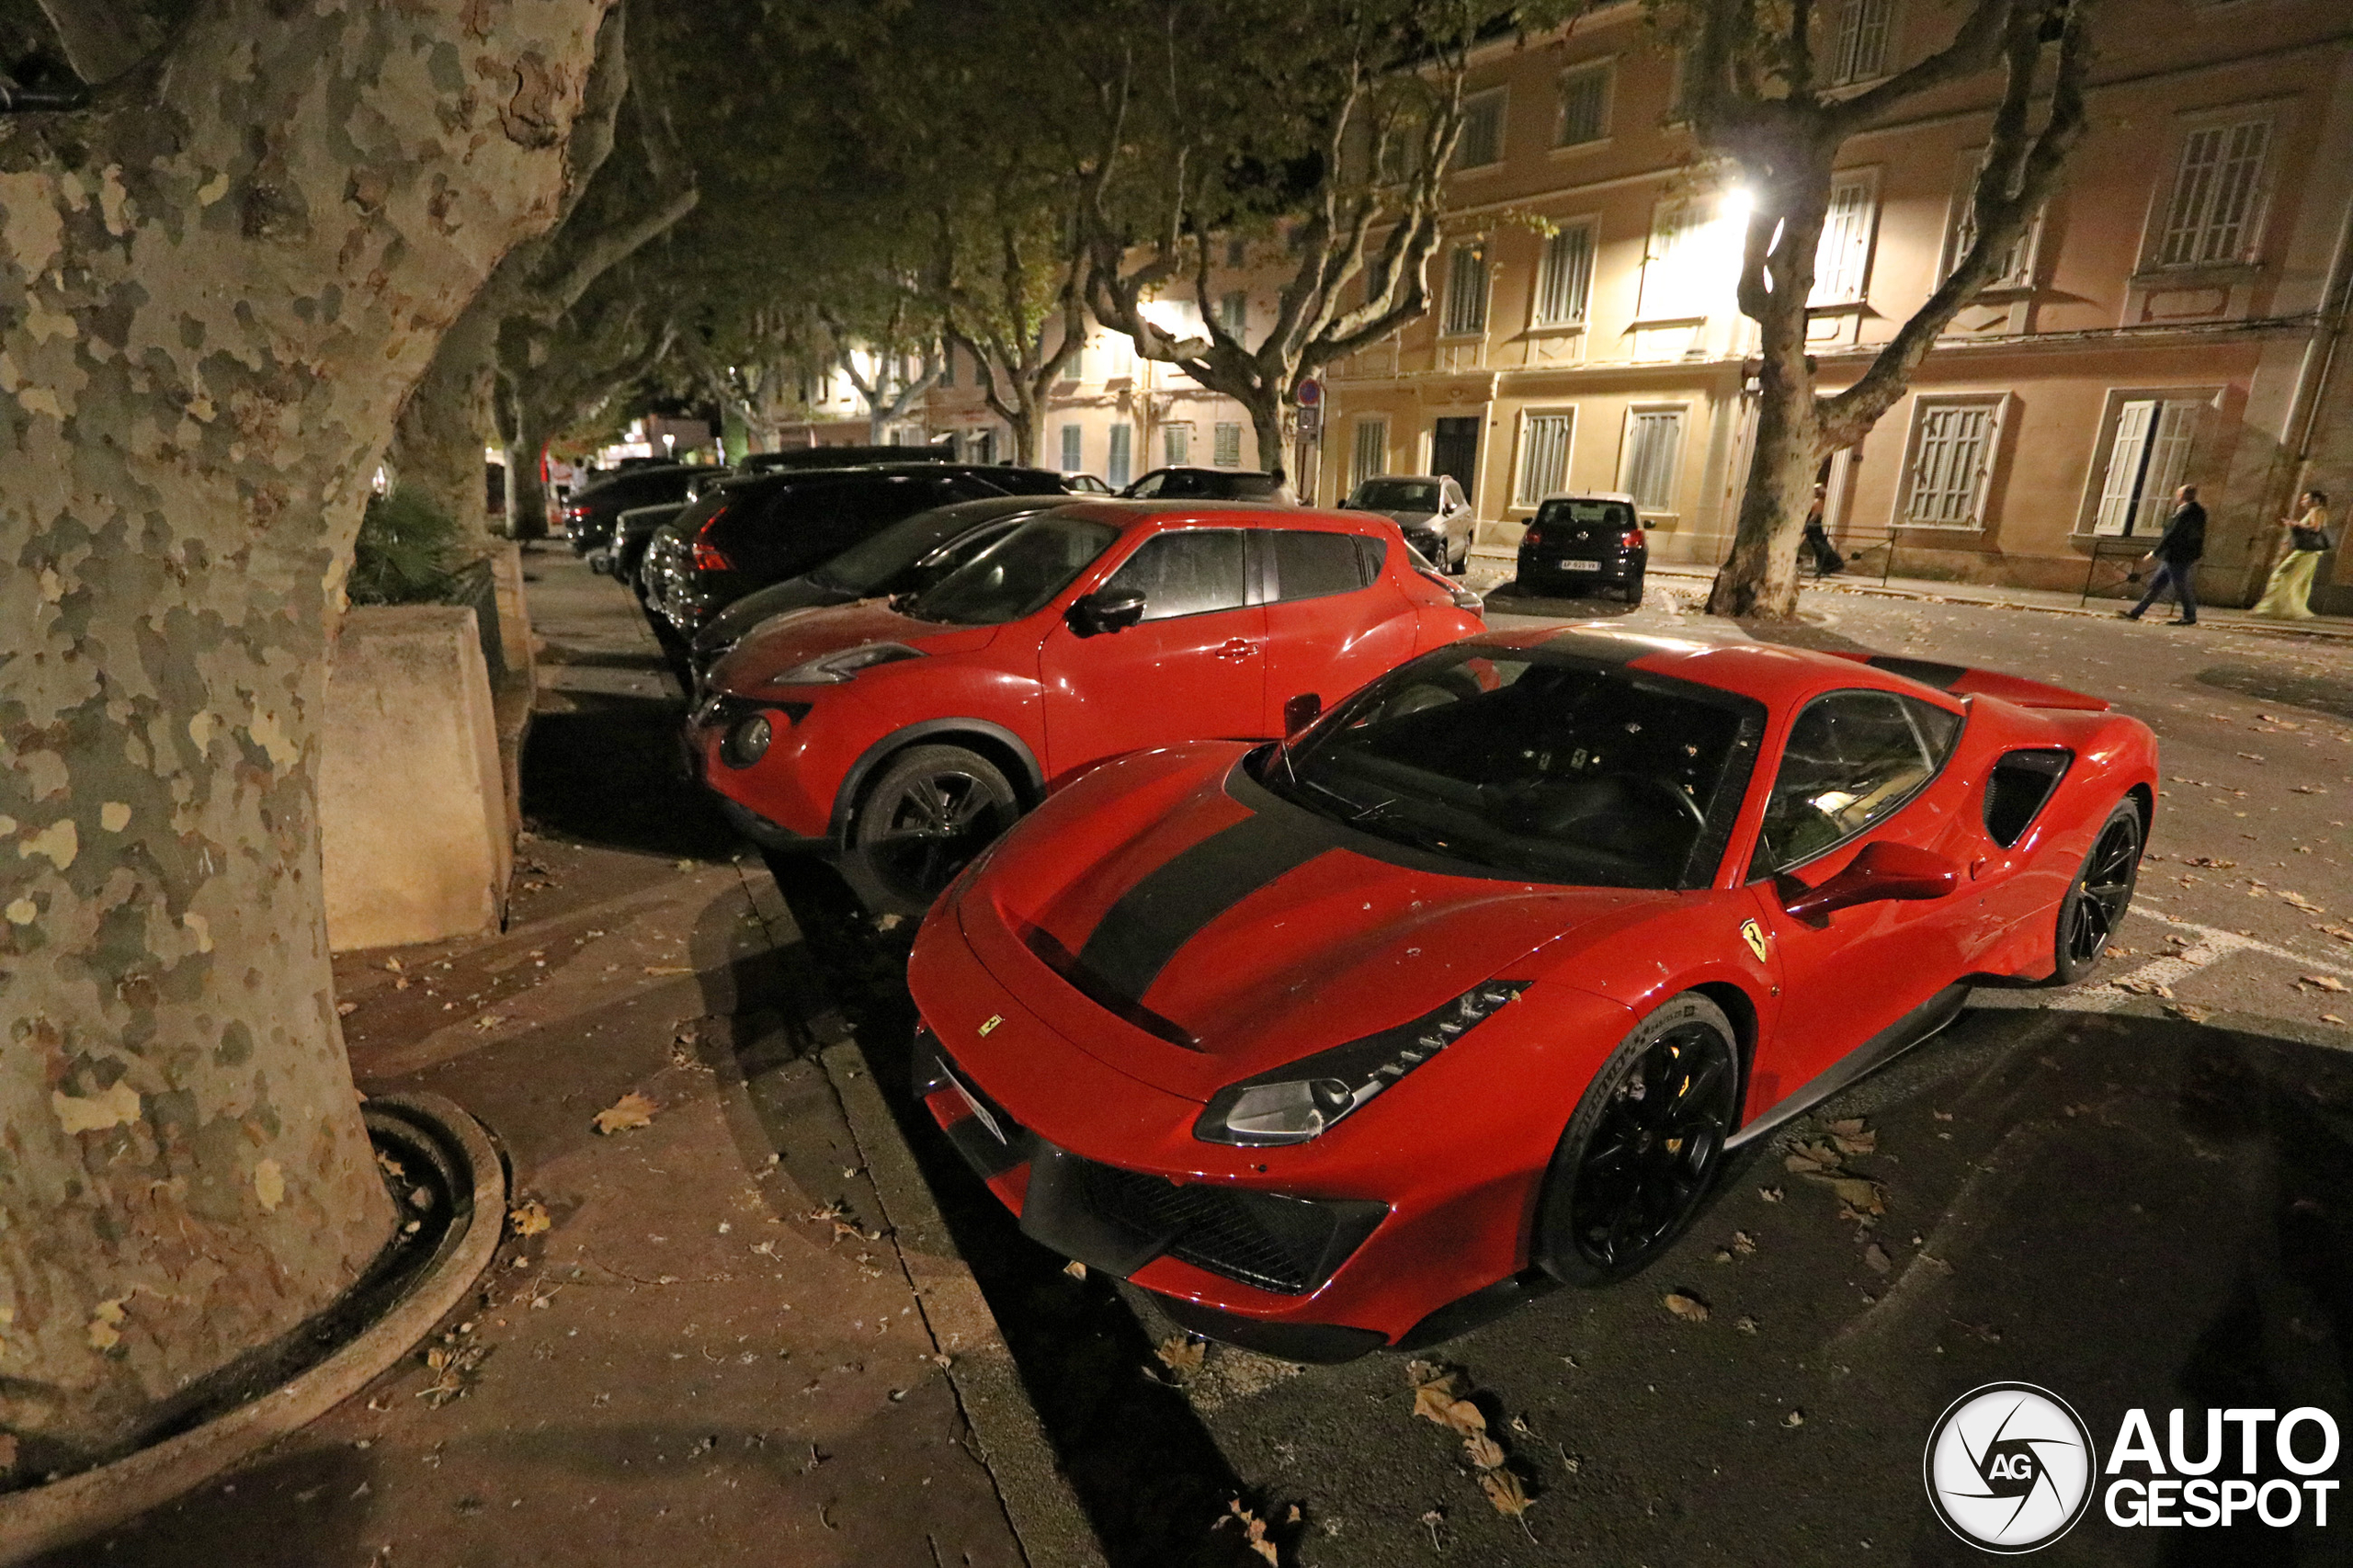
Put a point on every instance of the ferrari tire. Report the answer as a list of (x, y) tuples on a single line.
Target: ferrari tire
[(928, 813), (2099, 897), (1643, 1147)]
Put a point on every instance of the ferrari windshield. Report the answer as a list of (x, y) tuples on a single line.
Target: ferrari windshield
[(1017, 575), (1534, 763)]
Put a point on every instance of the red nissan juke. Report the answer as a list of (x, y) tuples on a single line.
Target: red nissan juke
[(908, 734), (1358, 1039)]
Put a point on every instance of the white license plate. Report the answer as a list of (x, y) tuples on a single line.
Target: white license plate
[(1578, 565)]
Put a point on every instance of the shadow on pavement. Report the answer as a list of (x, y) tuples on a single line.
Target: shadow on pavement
[(2266, 684), (1145, 1471), (612, 774)]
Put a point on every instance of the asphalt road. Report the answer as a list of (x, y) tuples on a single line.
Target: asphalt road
[(2135, 1198)]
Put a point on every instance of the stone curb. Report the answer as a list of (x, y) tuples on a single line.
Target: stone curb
[(47, 1517), (1039, 1502)]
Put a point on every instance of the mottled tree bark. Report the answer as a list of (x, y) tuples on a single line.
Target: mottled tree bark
[(221, 288), (438, 441)]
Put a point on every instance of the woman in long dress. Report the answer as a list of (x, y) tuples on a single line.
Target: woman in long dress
[(2286, 595)]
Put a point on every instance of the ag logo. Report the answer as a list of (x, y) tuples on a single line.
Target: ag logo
[(2010, 1467)]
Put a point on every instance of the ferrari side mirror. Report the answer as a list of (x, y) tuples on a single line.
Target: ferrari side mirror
[(1093, 614), (1882, 871), (1300, 712)]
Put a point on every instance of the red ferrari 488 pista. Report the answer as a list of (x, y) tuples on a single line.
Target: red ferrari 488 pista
[(1465, 990)]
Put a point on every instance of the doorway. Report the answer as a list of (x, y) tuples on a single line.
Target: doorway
[(1454, 450)]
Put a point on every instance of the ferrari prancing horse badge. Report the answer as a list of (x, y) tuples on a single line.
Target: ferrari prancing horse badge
[(996, 1018), (1755, 937)]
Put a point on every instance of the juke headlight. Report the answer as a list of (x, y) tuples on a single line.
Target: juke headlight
[(1305, 1098), (832, 669)]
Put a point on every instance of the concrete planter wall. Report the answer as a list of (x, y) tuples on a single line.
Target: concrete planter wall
[(414, 815)]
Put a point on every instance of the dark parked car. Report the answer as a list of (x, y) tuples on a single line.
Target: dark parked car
[(757, 531), (1578, 543), (906, 557), (590, 513), (1207, 484), (1428, 508), (843, 457)]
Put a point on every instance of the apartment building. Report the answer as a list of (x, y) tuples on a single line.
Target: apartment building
[(2166, 321)]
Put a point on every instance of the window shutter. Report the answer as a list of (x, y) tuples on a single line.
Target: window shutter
[(1544, 457), (1862, 40), (1843, 256), (1653, 449), (2124, 457), (1123, 458), (1369, 455), (1564, 277), (1584, 106), (2168, 459), (1226, 445), (1072, 436)]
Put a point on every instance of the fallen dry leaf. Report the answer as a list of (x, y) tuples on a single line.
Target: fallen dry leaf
[(2143, 987), (1742, 1243), (632, 1110), (669, 969), (1746, 1325), (488, 1021), (1875, 1258), (344, 1009), (1181, 1353), (1690, 1308), (1075, 1270), (529, 1219), (1482, 1451), (1795, 1418), (2321, 981), (1504, 1490), (1769, 1194), (2330, 1018), (1254, 1531), (2301, 901)]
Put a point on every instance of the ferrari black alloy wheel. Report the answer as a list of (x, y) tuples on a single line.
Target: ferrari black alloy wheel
[(2102, 891), (1643, 1149), (929, 812)]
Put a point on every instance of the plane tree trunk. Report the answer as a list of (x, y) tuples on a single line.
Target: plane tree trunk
[(226, 278)]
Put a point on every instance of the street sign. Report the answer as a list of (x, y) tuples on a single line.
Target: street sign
[(1311, 394), (1310, 419)]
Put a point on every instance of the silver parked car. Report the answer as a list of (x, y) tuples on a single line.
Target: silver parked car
[(1430, 509)]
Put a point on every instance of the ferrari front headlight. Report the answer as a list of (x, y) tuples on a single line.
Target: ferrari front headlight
[(1304, 1099)]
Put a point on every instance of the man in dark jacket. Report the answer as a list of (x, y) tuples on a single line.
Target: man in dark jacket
[(2175, 557)]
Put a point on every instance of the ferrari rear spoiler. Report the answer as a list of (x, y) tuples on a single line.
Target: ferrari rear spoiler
[(1963, 681)]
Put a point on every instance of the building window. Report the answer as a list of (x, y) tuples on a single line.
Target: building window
[(1564, 276), (1678, 92), (1842, 261), (1482, 141), (2015, 267), (1543, 456), (1233, 313), (1369, 454), (1072, 436), (1225, 446), (1466, 292), (2216, 196), (1863, 29), (1237, 252), (1585, 105), (980, 446), (1674, 274), (1951, 460), (1117, 473), (1653, 452), (1176, 445), (2146, 458)]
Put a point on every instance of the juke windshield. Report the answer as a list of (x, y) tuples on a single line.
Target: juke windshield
[(1534, 763), (1017, 575)]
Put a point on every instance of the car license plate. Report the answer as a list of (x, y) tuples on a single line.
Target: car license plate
[(1580, 565)]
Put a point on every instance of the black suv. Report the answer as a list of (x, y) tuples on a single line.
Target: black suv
[(590, 513), (1207, 484)]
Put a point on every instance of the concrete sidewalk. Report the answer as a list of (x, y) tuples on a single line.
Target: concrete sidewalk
[(735, 1333), (1499, 564)]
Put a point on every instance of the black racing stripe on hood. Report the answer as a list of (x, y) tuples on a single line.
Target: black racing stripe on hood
[(1136, 937)]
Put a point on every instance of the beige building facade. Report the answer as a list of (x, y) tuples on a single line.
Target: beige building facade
[(2171, 318)]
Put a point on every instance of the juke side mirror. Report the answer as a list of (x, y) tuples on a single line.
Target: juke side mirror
[(1093, 614), (1881, 872)]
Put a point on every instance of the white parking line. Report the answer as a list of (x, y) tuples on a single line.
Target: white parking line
[(2213, 944)]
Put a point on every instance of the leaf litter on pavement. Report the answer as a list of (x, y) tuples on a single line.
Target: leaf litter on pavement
[(1438, 1398), (1822, 1161), (632, 1110)]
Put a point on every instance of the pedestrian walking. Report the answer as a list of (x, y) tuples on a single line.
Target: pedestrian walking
[(2176, 558), (2287, 596), (1827, 558)]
